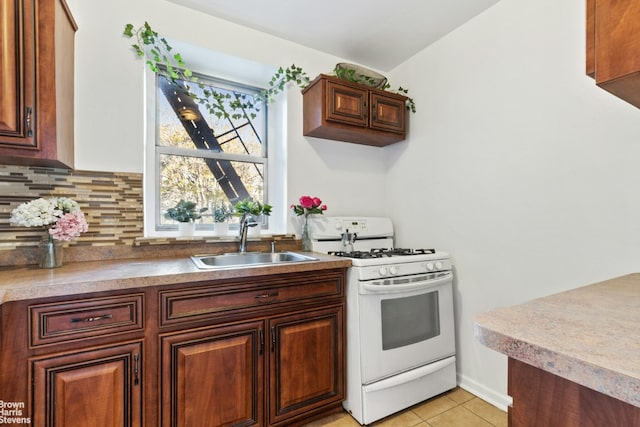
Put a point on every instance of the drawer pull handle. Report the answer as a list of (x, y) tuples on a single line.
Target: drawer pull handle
[(91, 319), (263, 296)]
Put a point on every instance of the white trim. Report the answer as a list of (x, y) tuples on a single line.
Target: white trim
[(499, 400), (276, 146)]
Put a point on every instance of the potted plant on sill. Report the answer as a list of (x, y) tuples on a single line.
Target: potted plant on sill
[(185, 213), (249, 212), (221, 214)]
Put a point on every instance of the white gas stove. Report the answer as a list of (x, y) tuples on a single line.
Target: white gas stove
[(400, 330)]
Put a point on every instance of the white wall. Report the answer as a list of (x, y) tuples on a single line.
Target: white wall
[(109, 124), (518, 165), (516, 162)]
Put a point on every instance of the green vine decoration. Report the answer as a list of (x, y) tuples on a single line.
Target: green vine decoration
[(350, 74), (160, 59)]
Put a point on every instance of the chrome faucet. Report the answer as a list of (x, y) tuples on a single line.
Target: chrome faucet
[(244, 226)]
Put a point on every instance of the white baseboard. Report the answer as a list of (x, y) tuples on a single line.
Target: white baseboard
[(499, 400)]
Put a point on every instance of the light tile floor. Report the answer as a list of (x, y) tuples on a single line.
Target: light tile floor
[(456, 408)]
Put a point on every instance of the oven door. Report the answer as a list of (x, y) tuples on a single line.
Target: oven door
[(405, 323)]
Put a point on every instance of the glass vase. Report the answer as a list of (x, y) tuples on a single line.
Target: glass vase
[(50, 253), (306, 238)]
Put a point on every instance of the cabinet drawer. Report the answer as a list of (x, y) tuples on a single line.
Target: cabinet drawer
[(85, 318), (208, 302)]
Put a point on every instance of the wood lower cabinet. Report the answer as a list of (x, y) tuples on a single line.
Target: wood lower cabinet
[(613, 47), (541, 398), (264, 351), (305, 363), (36, 83), (344, 111), (217, 376), (213, 376), (98, 387)]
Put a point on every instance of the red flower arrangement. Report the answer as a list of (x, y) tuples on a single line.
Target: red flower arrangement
[(308, 205)]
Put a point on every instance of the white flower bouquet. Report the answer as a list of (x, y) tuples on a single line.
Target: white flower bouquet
[(61, 216)]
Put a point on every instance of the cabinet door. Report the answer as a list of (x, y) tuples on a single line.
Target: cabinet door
[(17, 74), (306, 363), (347, 104), (95, 388), (213, 376), (387, 113), (617, 47), (36, 75)]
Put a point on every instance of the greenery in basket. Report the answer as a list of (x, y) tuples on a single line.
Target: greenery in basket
[(352, 76), (161, 60), (222, 212), (184, 211)]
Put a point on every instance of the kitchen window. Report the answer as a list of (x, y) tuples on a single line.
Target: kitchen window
[(198, 156)]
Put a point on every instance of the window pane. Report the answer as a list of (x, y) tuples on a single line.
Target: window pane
[(243, 135), (215, 173), (191, 178)]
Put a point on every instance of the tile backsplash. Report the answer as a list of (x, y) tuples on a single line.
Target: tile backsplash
[(111, 202), (113, 206)]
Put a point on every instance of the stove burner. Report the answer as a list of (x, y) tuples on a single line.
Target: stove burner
[(354, 254), (382, 252)]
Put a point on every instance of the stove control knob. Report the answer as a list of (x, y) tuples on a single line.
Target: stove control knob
[(430, 266), (338, 226), (393, 270), (439, 265), (382, 271)]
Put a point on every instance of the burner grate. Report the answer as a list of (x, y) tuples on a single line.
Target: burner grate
[(382, 252)]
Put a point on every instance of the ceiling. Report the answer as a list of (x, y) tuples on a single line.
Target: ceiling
[(379, 34)]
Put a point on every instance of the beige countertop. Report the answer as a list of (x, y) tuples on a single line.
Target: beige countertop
[(30, 282), (589, 335)]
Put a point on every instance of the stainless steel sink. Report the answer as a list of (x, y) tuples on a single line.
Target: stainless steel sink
[(234, 260)]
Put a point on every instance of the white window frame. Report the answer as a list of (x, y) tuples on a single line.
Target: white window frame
[(243, 72)]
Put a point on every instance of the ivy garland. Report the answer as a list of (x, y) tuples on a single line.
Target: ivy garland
[(160, 59)]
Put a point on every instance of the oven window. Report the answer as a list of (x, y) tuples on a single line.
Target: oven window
[(409, 320)]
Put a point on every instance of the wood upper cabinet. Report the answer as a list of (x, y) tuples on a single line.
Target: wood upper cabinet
[(344, 111), (36, 83), (613, 47), (99, 387)]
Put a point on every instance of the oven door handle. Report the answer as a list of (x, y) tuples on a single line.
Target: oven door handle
[(368, 288), (411, 375)]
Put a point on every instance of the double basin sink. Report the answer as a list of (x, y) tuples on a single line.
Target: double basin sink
[(247, 259)]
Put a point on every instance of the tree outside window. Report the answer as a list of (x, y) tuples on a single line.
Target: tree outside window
[(206, 158)]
